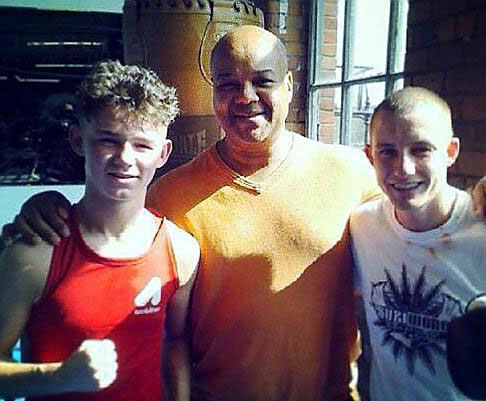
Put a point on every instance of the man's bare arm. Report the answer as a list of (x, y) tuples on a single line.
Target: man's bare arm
[(178, 369), (23, 272)]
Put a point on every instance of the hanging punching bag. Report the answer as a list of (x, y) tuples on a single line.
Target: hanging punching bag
[(175, 39)]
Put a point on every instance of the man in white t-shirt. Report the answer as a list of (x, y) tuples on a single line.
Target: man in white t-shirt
[(420, 252)]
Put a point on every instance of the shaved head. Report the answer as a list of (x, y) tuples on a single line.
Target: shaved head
[(250, 40), (418, 103)]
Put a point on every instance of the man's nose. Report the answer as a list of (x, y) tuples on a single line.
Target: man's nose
[(126, 154), (248, 93), (406, 164)]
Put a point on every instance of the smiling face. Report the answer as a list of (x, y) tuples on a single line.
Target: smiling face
[(252, 87), (121, 155), (411, 153)]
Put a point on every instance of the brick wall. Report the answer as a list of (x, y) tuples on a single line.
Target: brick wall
[(446, 52), (289, 20), (327, 119)]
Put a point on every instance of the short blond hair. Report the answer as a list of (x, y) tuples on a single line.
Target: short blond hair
[(406, 101), (132, 88)]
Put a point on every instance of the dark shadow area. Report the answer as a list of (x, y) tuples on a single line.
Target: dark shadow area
[(44, 55)]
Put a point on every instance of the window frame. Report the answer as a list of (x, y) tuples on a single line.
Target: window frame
[(391, 77)]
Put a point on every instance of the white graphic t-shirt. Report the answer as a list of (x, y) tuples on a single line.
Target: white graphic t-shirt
[(412, 284)]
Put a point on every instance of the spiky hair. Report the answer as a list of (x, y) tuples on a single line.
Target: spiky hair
[(135, 89)]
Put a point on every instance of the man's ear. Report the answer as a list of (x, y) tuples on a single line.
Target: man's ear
[(453, 150), (165, 153), (367, 150), (76, 139)]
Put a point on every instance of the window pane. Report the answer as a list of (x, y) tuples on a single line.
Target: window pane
[(394, 85), (329, 107), (364, 99), (369, 36)]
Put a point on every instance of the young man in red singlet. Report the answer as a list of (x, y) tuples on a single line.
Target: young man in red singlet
[(93, 307)]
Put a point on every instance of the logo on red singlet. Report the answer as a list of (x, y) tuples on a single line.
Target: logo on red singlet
[(148, 299)]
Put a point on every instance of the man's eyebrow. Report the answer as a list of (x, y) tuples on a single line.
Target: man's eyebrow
[(225, 75), (423, 143), (233, 74), (106, 132)]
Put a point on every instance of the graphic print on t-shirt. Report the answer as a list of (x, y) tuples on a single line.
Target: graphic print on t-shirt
[(148, 299), (413, 317)]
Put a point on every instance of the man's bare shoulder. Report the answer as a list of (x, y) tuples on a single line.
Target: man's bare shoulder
[(25, 263)]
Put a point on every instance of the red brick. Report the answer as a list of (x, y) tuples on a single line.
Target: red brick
[(432, 81), (475, 49), (327, 129), (481, 26), (296, 23), (329, 75), (416, 60), (474, 108), (293, 114), (419, 11), (455, 103), (295, 48), (293, 36), (326, 103), (327, 133), (330, 10), (468, 79), (471, 163), (457, 181), (328, 63), (295, 8), (292, 30), (465, 25), (424, 35), (442, 8), (330, 23), (478, 129), (446, 29), (301, 63), (472, 134), (329, 49), (326, 117), (447, 55), (327, 92), (273, 7), (299, 76), (477, 3), (410, 37), (330, 36)]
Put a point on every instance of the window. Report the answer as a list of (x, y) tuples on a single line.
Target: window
[(357, 56), (45, 54)]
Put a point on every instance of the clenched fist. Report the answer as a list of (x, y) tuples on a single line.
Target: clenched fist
[(91, 367)]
